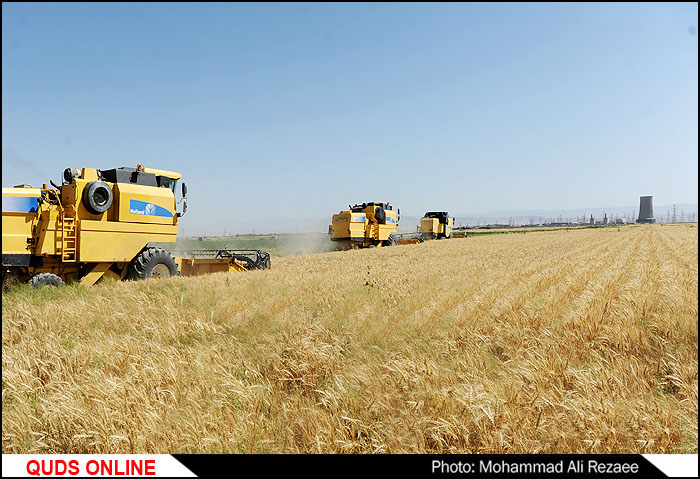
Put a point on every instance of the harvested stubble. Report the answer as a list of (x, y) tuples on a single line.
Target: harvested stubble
[(555, 342)]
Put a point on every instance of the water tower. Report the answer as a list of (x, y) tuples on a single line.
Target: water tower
[(646, 210)]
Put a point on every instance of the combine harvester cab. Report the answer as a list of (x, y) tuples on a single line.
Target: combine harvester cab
[(436, 225), (98, 224), (368, 225)]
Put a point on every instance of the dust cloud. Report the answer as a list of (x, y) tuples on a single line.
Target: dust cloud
[(304, 243)]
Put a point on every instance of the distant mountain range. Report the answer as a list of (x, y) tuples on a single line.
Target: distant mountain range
[(525, 217)]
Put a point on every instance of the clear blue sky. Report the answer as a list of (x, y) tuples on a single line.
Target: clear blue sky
[(295, 110)]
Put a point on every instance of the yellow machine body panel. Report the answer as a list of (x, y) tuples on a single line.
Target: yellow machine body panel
[(20, 212), (429, 226), (125, 240), (199, 266), (389, 226), (45, 238), (144, 204), (436, 225), (447, 228), (347, 225), (370, 224)]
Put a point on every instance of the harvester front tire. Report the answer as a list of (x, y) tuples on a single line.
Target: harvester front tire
[(153, 263), (46, 279), (98, 197)]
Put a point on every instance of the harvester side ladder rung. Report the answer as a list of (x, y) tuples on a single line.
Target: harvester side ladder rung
[(373, 231), (69, 235)]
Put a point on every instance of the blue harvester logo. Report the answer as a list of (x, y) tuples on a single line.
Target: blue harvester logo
[(137, 207)]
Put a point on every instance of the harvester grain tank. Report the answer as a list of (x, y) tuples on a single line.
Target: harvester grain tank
[(101, 224), (436, 225)]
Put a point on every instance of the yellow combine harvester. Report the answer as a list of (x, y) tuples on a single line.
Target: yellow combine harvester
[(364, 226), (436, 225), (368, 225), (99, 224)]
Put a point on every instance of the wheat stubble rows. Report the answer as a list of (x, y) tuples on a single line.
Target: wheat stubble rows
[(553, 342)]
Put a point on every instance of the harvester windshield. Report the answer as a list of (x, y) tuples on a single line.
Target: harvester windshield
[(165, 178), (165, 182)]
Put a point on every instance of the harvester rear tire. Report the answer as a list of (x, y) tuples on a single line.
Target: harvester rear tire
[(46, 279), (153, 263)]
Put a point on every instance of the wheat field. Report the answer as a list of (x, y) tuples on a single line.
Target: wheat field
[(578, 341)]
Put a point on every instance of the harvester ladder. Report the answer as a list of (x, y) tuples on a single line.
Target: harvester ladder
[(69, 236), (372, 231)]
